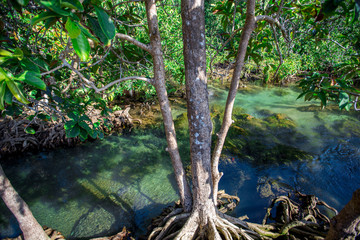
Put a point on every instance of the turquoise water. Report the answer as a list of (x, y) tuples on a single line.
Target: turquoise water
[(97, 188)]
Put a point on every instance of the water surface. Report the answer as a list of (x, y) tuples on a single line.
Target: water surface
[(97, 188)]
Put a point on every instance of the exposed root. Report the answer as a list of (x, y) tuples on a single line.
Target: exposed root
[(226, 202), (298, 219)]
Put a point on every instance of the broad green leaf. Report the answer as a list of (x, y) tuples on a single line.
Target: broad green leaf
[(83, 134), (16, 91), (2, 95), (87, 33), (73, 132), (8, 96), (33, 79), (85, 126), (74, 116), (357, 10), (85, 118), (69, 124), (93, 134), (41, 17), (30, 130), (19, 54), (81, 46), (322, 97), (3, 74), (26, 64), (105, 22), (73, 4), (95, 27), (55, 6), (72, 28), (6, 53), (343, 100), (23, 2)]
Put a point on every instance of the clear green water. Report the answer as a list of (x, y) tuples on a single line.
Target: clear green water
[(97, 188)]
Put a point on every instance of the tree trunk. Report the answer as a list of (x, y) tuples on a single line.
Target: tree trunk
[(159, 76), (346, 225), (29, 226), (200, 125), (239, 64)]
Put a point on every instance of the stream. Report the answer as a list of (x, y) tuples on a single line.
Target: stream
[(96, 188)]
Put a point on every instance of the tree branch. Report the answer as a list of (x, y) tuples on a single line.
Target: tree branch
[(273, 21), (279, 51), (97, 90), (135, 42)]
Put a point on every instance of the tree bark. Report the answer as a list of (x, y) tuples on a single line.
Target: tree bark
[(159, 83), (227, 121), (29, 226), (200, 125), (346, 225)]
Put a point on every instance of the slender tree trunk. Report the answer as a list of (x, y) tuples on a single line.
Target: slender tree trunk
[(200, 125), (29, 226), (239, 64), (159, 76), (346, 225)]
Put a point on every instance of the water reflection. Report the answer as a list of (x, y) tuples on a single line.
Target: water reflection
[(97, 188)]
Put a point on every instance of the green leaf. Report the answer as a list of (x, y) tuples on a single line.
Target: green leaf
[(23, 2), (322, 97), (95, 27), (6, 53), (18, 54), (343, 100), (85, 126), (32, 78), (42, 16), (8, 96), (74, 116), (55, 7), (73, 132), (85, 118), (73, 4), (357, 10), (83, 134), (69, 124), (72, 28), (2, 94), (15, 90), (105, 22), (30, 130), (87, 33), (93, 134), (26, 64), (81, 46)]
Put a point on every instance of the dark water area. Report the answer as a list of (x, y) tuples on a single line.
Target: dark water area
[(97, 188)]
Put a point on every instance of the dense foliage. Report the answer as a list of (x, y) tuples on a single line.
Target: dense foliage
[(47, 45)]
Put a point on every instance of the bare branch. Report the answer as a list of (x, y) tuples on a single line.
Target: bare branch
[(97, 90), (135, 42), (52, 70), (272, 21), (222, 47), (279, 51)]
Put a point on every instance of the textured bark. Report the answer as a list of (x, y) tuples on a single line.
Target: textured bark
[(29, 226), (346, 225), (200, 125), (159, 83), (227, 121)]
